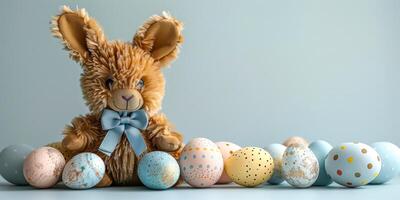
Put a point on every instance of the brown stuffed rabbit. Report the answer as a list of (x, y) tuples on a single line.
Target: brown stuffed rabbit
[(123, 86)]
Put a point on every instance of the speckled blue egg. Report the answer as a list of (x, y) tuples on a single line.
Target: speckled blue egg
[(390, 157), (353, 164), (321, 149), (276, 151), (83, 171), (12, 162), (158, 170)]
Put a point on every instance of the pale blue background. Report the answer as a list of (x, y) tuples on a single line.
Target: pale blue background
[(251, 72)]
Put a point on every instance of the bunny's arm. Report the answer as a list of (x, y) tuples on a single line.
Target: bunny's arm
[(162, 135), (83, 134)]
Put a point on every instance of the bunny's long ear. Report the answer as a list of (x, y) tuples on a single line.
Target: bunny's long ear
[(161, 37), (79, 33)]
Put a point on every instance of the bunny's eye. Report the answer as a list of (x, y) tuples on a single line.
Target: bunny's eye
[(140, 84), (109, 83)]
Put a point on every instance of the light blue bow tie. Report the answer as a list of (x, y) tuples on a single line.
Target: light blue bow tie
[(118, 123)]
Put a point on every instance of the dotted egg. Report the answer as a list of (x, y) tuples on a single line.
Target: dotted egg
[(201, 163), (353, 164), (250, 166), (12, 162)]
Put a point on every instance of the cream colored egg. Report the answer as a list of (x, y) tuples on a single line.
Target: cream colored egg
[(43, 167), (295, 140), (250, 166), (227, 149)]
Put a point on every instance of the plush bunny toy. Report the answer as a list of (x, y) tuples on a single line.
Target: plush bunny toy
[(123, 86)]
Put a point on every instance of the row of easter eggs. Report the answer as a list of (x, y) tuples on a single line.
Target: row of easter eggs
[(348, 164), (45, 166), (204, 163)]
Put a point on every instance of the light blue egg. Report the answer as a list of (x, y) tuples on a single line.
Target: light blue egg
[(389, 154), (321, 149), (12, 162), (158, 170), (353, 164), (276, 151), (83, 171)]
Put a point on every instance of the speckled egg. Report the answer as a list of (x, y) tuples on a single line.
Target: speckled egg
[(83, 171), (276, 151), (299, 166), (201, 163), (321, 149), (353, 164), (12, 162), (43, 167), (250, 166), (227, 149), (295, 140), (390, 160), (158, 170)]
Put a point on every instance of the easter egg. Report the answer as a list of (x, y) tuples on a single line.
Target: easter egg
[(158, 170), (43, 167), (321, 149), (83, 171), (295, 140), (250, 166), (390, 160), (353, 164), (201, 163), (299, 166), (227, 149), (276, 151), (12, 162)]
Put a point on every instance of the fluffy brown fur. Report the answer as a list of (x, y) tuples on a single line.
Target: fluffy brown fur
[(154, 46)]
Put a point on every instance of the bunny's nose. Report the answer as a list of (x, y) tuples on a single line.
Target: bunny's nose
[(127, 99)]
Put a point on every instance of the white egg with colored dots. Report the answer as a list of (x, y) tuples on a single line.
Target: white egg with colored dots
[(201, 163), (250, 166), (299, 166), (353, 164)]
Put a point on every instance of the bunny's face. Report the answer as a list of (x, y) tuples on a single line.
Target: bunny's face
[(123, 76)]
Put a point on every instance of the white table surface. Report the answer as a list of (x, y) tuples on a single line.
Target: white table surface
[(391, 190)]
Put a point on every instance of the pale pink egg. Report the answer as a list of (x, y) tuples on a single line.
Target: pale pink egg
[(201, 163), (227, 149), (43, 167)]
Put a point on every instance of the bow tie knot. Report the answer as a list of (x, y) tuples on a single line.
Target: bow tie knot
[(125, 120), (118, 123)]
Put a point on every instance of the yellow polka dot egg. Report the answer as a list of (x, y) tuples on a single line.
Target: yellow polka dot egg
[(201, 163), (250, 166), (353, 164)]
